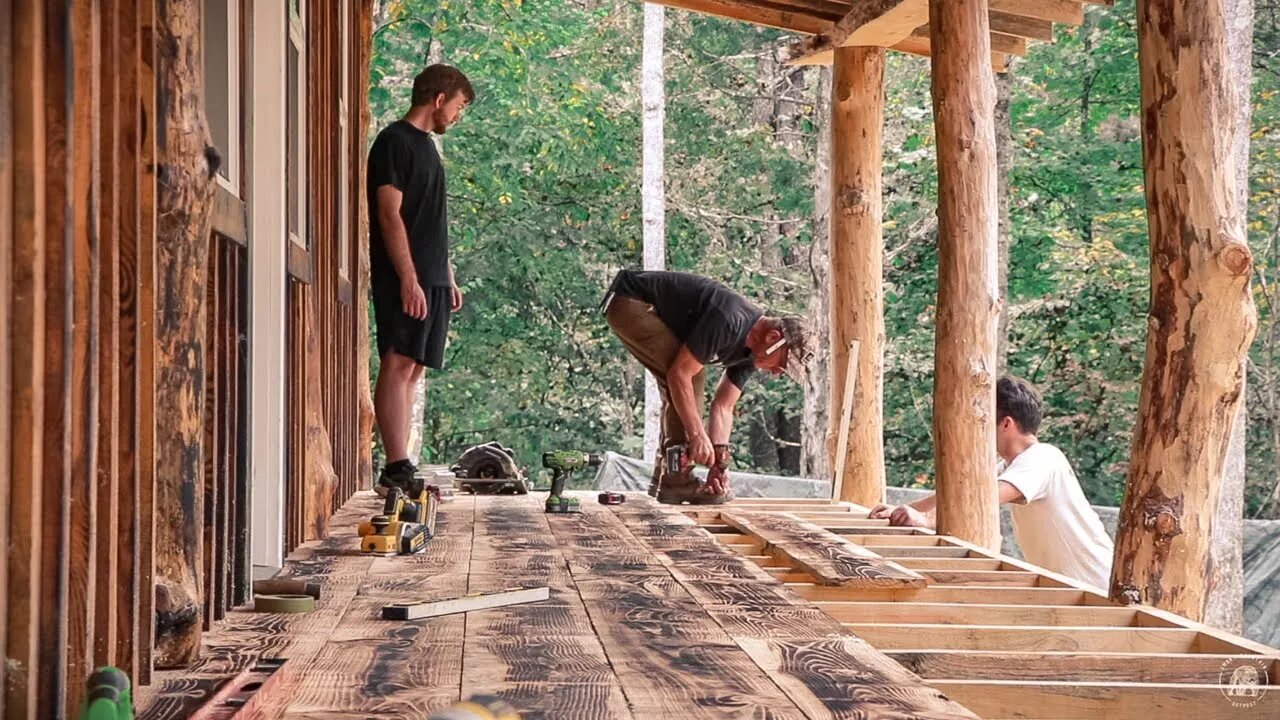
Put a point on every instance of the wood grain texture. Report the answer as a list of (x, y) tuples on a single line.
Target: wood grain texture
[(27, 365), (844, 677), (968, 304), (183, 203), (146, 127), (1201, 318), (1104, 700), (823, 554), (856, 272), (6, 272), (54, 531), (1203, 668)]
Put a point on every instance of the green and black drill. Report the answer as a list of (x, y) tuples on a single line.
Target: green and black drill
[(562, 464)]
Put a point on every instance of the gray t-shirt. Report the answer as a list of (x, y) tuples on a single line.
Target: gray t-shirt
[(709, 318)]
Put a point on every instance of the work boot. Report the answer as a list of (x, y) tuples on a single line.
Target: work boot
[(402, 474), (679, 488)]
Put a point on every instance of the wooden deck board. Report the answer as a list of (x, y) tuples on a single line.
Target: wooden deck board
[(652, 615)]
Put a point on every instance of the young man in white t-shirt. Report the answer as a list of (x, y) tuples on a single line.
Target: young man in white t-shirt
[(1052, 521)]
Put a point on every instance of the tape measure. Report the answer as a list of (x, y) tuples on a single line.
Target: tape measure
[(283, 603), (612, 498)]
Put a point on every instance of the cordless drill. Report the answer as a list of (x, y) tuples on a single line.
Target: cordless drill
[(562, 464)]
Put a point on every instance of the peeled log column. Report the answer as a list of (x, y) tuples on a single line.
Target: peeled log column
[(1202, 318), (857, 251), (184, 187), (968, 299)]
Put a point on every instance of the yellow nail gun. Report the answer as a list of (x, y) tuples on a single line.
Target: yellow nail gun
[(405, 525)]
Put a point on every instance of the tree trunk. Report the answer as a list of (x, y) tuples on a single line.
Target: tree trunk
[(652, 191), (968, 302), (1202, 316), (187, 163), (814, 453), (1224, 604), (857, 255), (1004, 163)]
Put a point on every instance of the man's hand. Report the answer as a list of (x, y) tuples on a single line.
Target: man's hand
[(413, 300), (907, 516), (882, 511), (457, 299), (717, 481), (700, 451)]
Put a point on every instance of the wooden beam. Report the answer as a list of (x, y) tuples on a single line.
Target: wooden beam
[(1202, 316), (1067, 12), (872, 23), (183, 215), (940, 613), (1020, 26), (54, 531), (6, 289), (1192, 668), (945, 594), (964, 365), (855, 276), (146, 347), (108, 189), (83, 61), (1000, 42), (822, 554), (25, 328), (768, 14), (920, 636), (1106, 700)]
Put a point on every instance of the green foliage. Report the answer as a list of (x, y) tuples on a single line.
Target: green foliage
[(544, 173)]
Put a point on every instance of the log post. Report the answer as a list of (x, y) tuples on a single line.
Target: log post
[(1201, 318), (186, 164), (968, 298), (857, 252), (360, 280)]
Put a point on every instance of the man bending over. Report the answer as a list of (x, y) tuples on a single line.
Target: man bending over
[(1052, 521), (675, 324)]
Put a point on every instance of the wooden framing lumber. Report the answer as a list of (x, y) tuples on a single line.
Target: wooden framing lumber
[(1070, 666), (874, 22), (823, 554), (1067, 12), (769, 14), (889, 636), (1106, 700), (955, 594), (940, 613), (25, 329)]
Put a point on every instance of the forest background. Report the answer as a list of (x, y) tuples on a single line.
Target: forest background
[(545, 206)]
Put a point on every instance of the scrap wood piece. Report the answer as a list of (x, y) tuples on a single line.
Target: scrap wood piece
[(831, 559), (466, 603), (846, 677)]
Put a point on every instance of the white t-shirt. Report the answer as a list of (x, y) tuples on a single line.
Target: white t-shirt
[(1055, 526)]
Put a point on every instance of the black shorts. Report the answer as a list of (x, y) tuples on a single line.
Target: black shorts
[(423, 341)]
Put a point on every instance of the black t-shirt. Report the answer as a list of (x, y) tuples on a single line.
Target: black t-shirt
[(406, 158), (709, 318)]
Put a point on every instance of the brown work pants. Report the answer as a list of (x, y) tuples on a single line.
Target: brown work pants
[(655, 346)]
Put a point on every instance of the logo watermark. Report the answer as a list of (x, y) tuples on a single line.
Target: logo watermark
[(1244, 681)]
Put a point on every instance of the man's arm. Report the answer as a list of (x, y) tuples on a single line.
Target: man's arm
[(680, 386), (720, 418), (457, 291), (396, 239), (924, 512)]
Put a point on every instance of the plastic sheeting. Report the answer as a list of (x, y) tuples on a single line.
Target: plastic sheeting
[(1261, 537)]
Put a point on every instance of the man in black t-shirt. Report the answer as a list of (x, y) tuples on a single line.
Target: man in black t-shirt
[(412, 282), (677, 323)]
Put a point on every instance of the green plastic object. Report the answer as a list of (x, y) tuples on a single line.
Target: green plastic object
[(110, 696)]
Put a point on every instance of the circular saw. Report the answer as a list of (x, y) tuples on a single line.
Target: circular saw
[(489, 469)]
